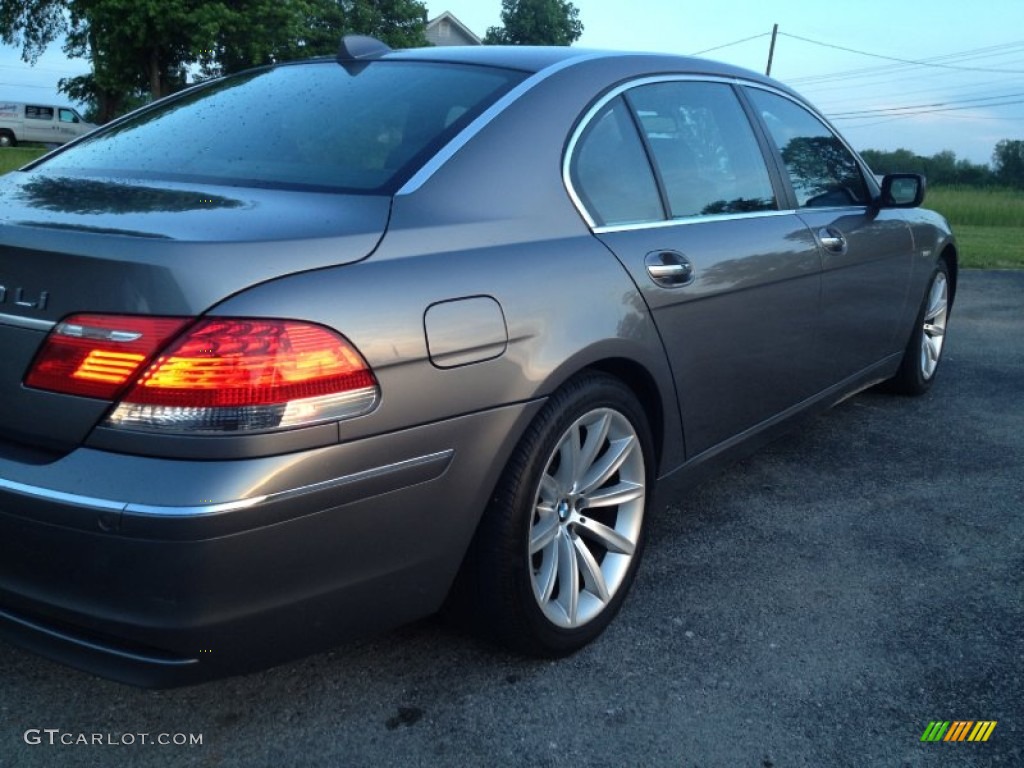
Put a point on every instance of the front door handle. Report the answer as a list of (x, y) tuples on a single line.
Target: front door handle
[(669, 269)]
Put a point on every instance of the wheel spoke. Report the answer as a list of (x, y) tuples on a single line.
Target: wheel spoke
[(937, 300), (549, 489), (932, 348), (602, 470), (568, 577), (597, 433), (543, 532), (606, 536), (593, 579), (620, 493), (547, 577), (569, 459)]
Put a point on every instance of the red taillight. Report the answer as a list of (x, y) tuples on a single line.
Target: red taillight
[(97, 355), (227, 375)]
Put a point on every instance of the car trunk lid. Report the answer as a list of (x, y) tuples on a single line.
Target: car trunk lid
[(93, 245)]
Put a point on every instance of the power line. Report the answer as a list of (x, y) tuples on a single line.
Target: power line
[(888, 69), (902, 61), (883, 110), (730, 45), (930, 111)]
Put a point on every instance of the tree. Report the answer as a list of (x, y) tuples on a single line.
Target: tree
[(1008, 162), (941, 168), (536, 22), (145, 49)]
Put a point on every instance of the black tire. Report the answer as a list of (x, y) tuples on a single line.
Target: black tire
[(504, 582), (923, 352), (7, 139)]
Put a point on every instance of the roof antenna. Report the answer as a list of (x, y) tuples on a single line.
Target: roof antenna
[(355, 50)]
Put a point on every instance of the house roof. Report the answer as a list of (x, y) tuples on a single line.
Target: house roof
[(434, 24)]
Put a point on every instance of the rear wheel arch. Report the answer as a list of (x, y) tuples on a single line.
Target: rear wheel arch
[(642, 383)]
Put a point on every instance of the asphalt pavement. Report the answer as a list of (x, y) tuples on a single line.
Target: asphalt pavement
[(818, 604)]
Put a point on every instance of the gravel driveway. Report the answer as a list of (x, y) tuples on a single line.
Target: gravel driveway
[(816, 605)]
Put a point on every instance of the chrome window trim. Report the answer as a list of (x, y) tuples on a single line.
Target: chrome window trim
[(30, 323), (598, 105), (689, 220), (442, 458), (422, 176)]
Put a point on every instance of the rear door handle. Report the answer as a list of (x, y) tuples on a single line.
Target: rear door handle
[(669, 269), (832, 240)]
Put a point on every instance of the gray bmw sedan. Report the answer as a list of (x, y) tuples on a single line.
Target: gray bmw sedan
[(313, 350)]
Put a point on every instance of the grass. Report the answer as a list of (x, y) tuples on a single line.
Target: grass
[(988, 223), (978, 207), (989, 247), (12, 158)]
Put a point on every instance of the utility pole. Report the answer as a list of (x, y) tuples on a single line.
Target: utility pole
[(771, 51)]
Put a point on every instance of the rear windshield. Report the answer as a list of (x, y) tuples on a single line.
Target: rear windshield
[(314, 125)]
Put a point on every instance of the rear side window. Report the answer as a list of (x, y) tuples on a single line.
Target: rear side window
[(823, 172), (312, 125), (610, 171), (38, 113), (704, 149)]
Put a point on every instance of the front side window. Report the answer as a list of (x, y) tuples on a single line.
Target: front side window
[(314, 125), (823, 172), (704, 148), (67, 116)]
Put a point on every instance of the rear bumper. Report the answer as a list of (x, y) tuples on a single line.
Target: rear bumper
[(274, 558)]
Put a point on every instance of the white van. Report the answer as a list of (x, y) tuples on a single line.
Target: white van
[(39, 122)]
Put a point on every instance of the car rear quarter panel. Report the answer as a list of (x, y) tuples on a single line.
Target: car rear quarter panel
[(494, 221)]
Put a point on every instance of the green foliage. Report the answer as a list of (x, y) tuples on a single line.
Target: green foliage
[(941, 168), (536, 22), (399, 23), (145, 49), (1008, 159)]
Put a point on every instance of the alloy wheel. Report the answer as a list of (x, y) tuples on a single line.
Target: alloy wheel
[(587, 518)]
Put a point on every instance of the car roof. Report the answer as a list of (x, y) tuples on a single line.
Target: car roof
[(538, 58)]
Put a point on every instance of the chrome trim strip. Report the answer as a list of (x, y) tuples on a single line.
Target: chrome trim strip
[(205, 509), (30, 323), (72, 499), (159, 510), (422, 176), (688, 220)]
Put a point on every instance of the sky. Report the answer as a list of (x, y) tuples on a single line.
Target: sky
[(965, 93)]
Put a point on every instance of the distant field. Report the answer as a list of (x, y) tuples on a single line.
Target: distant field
[(12, 158), (988, 223)]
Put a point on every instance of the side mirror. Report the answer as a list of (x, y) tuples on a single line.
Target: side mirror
[(902, 190)]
